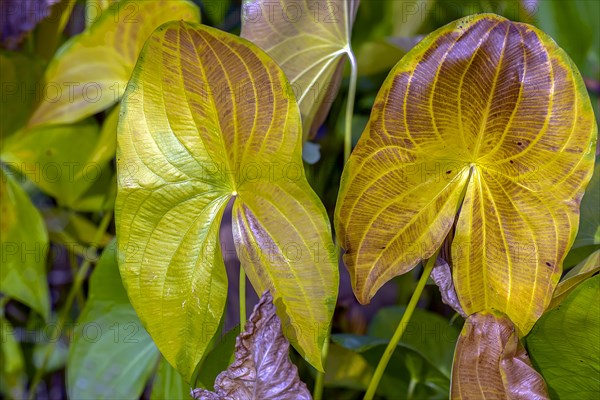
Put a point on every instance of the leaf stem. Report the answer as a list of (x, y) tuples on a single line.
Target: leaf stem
[(350, 105), (77, 282), (320, 381), (242, 295), (391, 347)]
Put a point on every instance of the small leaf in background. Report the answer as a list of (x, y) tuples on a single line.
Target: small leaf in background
[(24, 244), (95, 8), (180, 163), (217, 360), (574, 26), (262, 368), (471, 111), (89, 72), (56, 159), (309, 40), (565, 344), (169, 384), (19, 79), (12, 372), (111, 356), (580, 273), (491, 363), (347, 369), (381, 26), (19, 17), (588, 235), (421, 365)]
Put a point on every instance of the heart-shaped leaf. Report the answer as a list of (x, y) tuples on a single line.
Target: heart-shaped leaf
[(490, 110), (262, 368), (491, 363), (565, 344), (89, 73), (309, 40), (207, 118), (24, 244)]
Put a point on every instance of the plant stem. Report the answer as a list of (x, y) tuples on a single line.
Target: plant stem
[(320, 381), (242, 294), (350, 105), (77, 282), (391, 347)]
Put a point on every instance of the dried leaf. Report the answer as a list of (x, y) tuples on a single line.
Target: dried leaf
[(442, 276), (491, 363), (262, 368)]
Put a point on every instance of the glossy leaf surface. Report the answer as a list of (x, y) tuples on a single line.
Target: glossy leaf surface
[(565, 344), (169, 384), (309, 40), (111, 356), (488, 109), (236, 133), (24, 243), (89, 73), (490, 363), (262, 368)]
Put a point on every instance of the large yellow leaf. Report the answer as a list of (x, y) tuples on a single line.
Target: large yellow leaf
[(89, 73), (492, 110), (309, 40), (207, 117)]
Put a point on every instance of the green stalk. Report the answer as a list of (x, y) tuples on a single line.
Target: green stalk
[(75, 288), (350, 105), (320, 381), (242, 294), (391, 347)]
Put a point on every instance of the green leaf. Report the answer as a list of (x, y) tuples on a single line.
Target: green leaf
[(169, 384), (429, 334), (580, 273), (95, 8), (490, 362), (309, 40), (24, 243), (90, 71), (424, 356), (12, 373), (347, 369), (207, 118), (56, 159), (574, 25), (589, 223), (111, 356), (217, 360), (490, 110), (20, 90), (565, 344), (377, 22)]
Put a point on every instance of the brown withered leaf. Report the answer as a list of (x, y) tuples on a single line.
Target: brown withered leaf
[(442, 276), (262, 368), (491, 363)]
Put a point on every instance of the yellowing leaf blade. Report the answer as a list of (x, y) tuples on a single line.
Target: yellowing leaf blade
[(207, 117), (309, 40), (497, 99)]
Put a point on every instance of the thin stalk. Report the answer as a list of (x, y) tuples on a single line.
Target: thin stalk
[(391, 347), (242, 294), (350, 105), (77, 282), (320, 381)]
